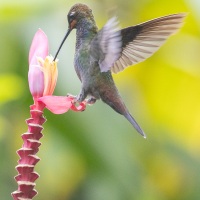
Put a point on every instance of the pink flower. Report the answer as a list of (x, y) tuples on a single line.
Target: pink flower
[(42, 77), (61, 104)]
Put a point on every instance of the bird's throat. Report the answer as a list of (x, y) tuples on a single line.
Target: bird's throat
[(86, 30)]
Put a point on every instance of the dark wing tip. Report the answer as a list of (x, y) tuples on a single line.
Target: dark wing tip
[(141, 41)]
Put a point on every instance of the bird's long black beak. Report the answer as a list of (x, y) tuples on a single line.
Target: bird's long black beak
[(68, 32)]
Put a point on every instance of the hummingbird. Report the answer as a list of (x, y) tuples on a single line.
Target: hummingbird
[(99, 53)]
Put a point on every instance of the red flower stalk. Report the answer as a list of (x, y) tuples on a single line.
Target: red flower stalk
[(42, 79)]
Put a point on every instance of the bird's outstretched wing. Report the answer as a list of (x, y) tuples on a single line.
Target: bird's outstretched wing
[(141, 41), (117, 49), (106, 47)]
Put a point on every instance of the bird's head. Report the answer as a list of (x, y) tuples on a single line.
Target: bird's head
[(76, 15)]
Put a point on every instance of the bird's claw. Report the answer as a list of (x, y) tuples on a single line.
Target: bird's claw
[(91, 101), (78, 99), (73, 97)]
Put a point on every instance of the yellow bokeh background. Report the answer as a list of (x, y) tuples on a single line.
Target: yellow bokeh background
[(97, 154)]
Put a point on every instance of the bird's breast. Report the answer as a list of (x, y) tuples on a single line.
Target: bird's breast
[(85, 66)]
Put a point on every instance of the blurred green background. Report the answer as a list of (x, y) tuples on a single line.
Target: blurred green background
[(97, 154)]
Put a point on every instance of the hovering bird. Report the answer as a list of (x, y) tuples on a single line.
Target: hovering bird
[(98, 53)]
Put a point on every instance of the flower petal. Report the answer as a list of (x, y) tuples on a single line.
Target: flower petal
[(39, 47), (79, 108), (57, 104), (36, 81), (50, 75)]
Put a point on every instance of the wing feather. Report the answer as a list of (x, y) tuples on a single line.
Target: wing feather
[(141, 41), (106, 47)]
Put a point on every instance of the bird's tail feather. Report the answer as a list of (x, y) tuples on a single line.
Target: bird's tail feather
[(113, 99), (135, 124)]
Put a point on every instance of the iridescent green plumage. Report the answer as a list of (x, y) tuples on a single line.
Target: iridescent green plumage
[(110, 49)]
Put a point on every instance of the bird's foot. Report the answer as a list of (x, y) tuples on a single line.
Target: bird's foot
[(76, 98), (79, 98), (73, 97), (91, 100)]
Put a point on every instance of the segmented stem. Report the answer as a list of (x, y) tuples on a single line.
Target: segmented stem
[(26, 175)]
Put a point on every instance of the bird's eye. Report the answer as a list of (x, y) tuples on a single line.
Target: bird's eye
[(71, 17)]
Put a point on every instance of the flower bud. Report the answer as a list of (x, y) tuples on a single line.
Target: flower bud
[(39, 48)]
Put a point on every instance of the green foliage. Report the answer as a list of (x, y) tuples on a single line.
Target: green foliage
[(97, 154), (11, 87)]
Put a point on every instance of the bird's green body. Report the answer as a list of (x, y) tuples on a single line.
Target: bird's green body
[(100, 52), (97, 84)]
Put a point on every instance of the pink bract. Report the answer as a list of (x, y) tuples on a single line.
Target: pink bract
[(61, 104), (39, 47)]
